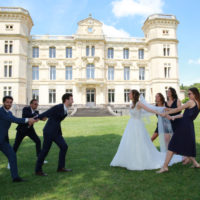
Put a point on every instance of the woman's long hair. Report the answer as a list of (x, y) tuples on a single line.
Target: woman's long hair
[(162, 99), (174, 94), (195, 91), (136, 96)]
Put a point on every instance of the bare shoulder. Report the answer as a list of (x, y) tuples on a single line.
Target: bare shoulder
[(190, 103)]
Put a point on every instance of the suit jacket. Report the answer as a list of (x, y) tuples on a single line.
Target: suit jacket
[(6, 118), (55, 115), (27, 113)]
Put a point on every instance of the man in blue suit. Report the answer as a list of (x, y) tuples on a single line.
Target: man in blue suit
[(52, 133), (6, 118)]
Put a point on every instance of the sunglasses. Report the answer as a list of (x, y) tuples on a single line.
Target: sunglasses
[(189, 94)]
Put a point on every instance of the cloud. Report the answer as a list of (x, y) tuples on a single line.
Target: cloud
[(111, 31), (124, 8), (194, 62)]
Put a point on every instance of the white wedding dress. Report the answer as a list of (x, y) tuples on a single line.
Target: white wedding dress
[(136, 150)]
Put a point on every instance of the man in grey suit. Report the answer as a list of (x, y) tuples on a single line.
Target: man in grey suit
[(6, 118)]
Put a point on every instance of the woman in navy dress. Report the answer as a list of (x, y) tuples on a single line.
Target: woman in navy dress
[(173, 102), (183, 139)]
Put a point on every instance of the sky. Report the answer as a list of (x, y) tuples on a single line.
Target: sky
[(122, 18)]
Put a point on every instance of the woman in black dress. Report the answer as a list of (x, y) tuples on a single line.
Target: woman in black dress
[(183, 139), (173, 102)]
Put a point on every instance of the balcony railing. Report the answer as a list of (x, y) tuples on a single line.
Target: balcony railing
[(52, 37), (128, 39), (163, 16), (13, 9)]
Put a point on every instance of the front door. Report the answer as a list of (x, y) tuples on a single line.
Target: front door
[(90, 97)]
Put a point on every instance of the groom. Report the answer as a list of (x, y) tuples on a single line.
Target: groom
[(52, 133)]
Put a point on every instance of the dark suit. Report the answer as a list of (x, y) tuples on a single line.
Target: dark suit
[(6, 118), (52, 133), (26, 130)]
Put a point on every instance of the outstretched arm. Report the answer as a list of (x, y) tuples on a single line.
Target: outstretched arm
[(141, 105), (47, 113), (174, 117), (189, 104), (10, 118)]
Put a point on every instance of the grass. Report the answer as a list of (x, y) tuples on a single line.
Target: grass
[(92, 144)]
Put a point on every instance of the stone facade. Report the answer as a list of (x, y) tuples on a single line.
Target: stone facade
[(97, 69)]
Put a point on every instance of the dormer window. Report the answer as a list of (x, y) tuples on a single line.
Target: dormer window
[(90, 29)]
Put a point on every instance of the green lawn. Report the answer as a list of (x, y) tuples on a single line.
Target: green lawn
[(92, 144)]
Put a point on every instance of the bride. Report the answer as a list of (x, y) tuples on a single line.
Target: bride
[(136, 151)]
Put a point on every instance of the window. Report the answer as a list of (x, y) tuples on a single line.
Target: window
[(87, 51), (126, 53), (52, 73), (141, 73), (126, 95), (93, 50), (69, 91), (126, 73), (90, 71), (167, 70), (8, 70), (69, 52), (35, 73), (90, 29), (35, 94), (110, 53), (111, 95), (68, 74), (165, 32), (143, 92), (7, 91), (35, 52), (8, 48), (141, 53), (110, 73), (52, 96), (52, 52), (9, 27), (166, 50)]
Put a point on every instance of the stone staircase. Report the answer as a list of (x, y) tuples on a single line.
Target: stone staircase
[(92, 112)]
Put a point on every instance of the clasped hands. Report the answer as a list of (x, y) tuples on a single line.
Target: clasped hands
[(31, 121), (166, 115)]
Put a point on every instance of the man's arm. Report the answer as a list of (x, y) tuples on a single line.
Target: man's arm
[(12, 119), (48, 113), (9, 117)]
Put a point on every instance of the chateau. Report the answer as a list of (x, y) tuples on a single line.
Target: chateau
[(98, 70)]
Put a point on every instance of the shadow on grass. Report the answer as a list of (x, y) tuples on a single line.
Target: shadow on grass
[(92, 177)]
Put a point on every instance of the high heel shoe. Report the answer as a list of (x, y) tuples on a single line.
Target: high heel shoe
[(162, 170)]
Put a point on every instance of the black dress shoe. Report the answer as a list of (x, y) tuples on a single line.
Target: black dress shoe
[(41, 173), (18, 179), (64, 170)]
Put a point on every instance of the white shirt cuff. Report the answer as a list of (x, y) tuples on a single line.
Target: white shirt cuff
[(26, 120)]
